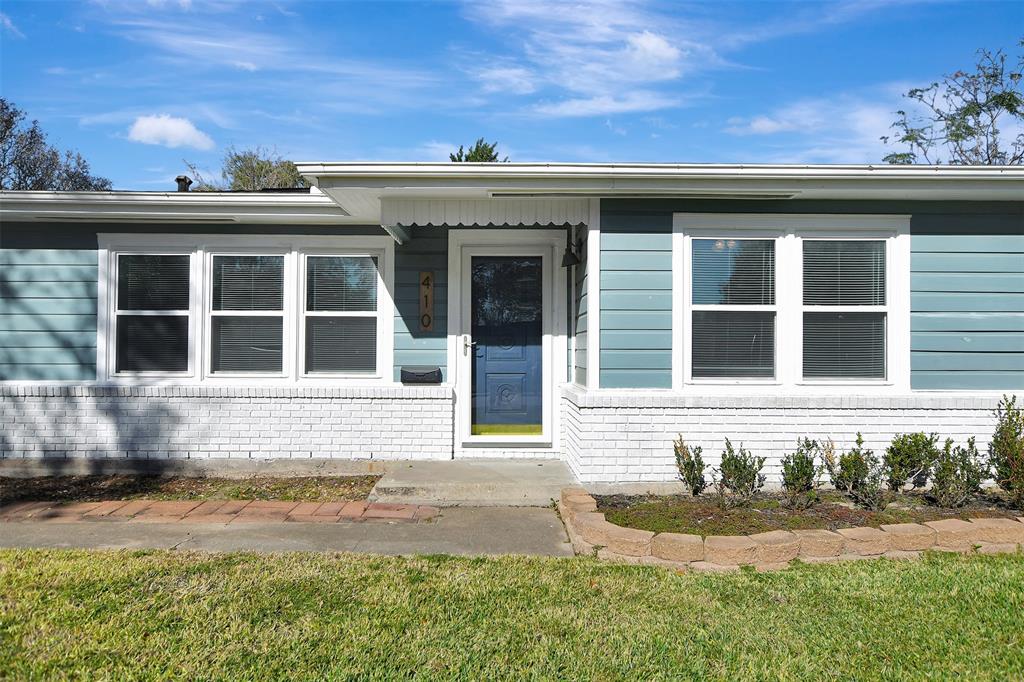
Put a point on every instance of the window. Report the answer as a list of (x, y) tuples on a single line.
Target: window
[(201, 308), (793, 300), (152, 313), (341, 314), (733, 308), (844, 309), (247, 314)]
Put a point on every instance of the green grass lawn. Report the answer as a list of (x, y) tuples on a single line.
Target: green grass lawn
[(123, 615)]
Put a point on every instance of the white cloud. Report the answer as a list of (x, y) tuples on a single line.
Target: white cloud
[(630, 102), (9, 27), (844, 128), (168, 131), (511, 79)]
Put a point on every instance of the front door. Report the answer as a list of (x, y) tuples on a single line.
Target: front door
[(504, 370), (506, 313)]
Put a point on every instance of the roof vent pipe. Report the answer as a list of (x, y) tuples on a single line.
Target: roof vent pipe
[(184, 182)]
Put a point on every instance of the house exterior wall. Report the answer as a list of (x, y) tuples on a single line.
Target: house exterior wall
[(967, 288), (618, 437), (156, 422), (426, 251), (580, 314)]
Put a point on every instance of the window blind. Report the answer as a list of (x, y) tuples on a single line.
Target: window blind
[(733, 271), (246, 344), (248, 282), (844, 345), (152, 343), (341, 283), (838, 272), (147, 282), (341, 344), (733, 344)]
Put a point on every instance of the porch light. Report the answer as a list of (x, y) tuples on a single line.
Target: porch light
[(569, 258)]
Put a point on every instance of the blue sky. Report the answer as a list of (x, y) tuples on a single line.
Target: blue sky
[(139, 86)]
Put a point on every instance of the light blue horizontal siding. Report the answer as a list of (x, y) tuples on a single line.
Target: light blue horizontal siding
[(994, 282), (967, 303), (633, 378), (981, 342), (967, 322), (925, 261), (581, 314), (48, 314), (636, 299), (427, 250), (964, 381)]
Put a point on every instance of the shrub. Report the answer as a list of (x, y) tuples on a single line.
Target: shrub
[(909, 458), (800, 473), (856, 473), (958, 473), (739, 474), (1006, 451), (691, 466)]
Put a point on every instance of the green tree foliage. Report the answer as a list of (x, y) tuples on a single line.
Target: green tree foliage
[(690, 465), (800, 473), (909, 457), (961, 119), (958, 473), (250, 170), (1006, 450), (29, 162), (739, 476), (480, 152)]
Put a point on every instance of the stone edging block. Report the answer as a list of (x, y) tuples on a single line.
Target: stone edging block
[(589, 530)]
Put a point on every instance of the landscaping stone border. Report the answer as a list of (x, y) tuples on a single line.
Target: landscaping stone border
[(591, 533)]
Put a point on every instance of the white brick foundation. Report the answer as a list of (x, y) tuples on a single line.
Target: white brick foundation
[(620, 437), (204, 422)]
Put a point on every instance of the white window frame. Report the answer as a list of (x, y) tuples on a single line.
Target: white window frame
[(304, 312), (201, 248), (725, 308), (789, 231)]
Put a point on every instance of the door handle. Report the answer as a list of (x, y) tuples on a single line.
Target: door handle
[(467, 344)]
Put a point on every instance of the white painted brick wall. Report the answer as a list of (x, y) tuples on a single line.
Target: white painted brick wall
[(620, 437), (205, 422)]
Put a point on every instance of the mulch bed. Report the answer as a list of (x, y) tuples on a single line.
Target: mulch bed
[(132, 487), (703, 515)]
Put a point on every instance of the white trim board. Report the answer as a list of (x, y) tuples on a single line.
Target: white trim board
[(461, 242), (200, 248), (788, 231)]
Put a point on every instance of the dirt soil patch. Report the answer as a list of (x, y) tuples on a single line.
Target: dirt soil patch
[(703, 516), (124, 487)]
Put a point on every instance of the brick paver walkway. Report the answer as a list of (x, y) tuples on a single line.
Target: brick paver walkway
[(216, 511)]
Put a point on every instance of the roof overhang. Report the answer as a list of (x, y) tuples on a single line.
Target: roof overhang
[(363, 188), (314, 208)]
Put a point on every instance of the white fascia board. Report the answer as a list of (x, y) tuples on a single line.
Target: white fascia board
[(315, 208), (993, 183)]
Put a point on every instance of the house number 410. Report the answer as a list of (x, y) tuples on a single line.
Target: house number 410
[(426, 301)]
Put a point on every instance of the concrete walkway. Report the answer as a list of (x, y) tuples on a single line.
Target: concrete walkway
[(474, 483), (461, 530)]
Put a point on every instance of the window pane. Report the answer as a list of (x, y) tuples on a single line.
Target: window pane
[(844, 345), (248, 282), (246, 344), (152, 282), (341, 344), (152, 343), (733, 344), (734, 271), (341, 283), (844, 272)]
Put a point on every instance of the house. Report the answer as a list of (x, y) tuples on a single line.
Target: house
[(589, 312)]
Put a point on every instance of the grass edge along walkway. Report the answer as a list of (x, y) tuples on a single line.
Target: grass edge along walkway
[(202, 616)]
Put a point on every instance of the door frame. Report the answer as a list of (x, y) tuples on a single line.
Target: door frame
[(463, 244)]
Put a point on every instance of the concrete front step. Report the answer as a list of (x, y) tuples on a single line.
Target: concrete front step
[(474, 483)]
